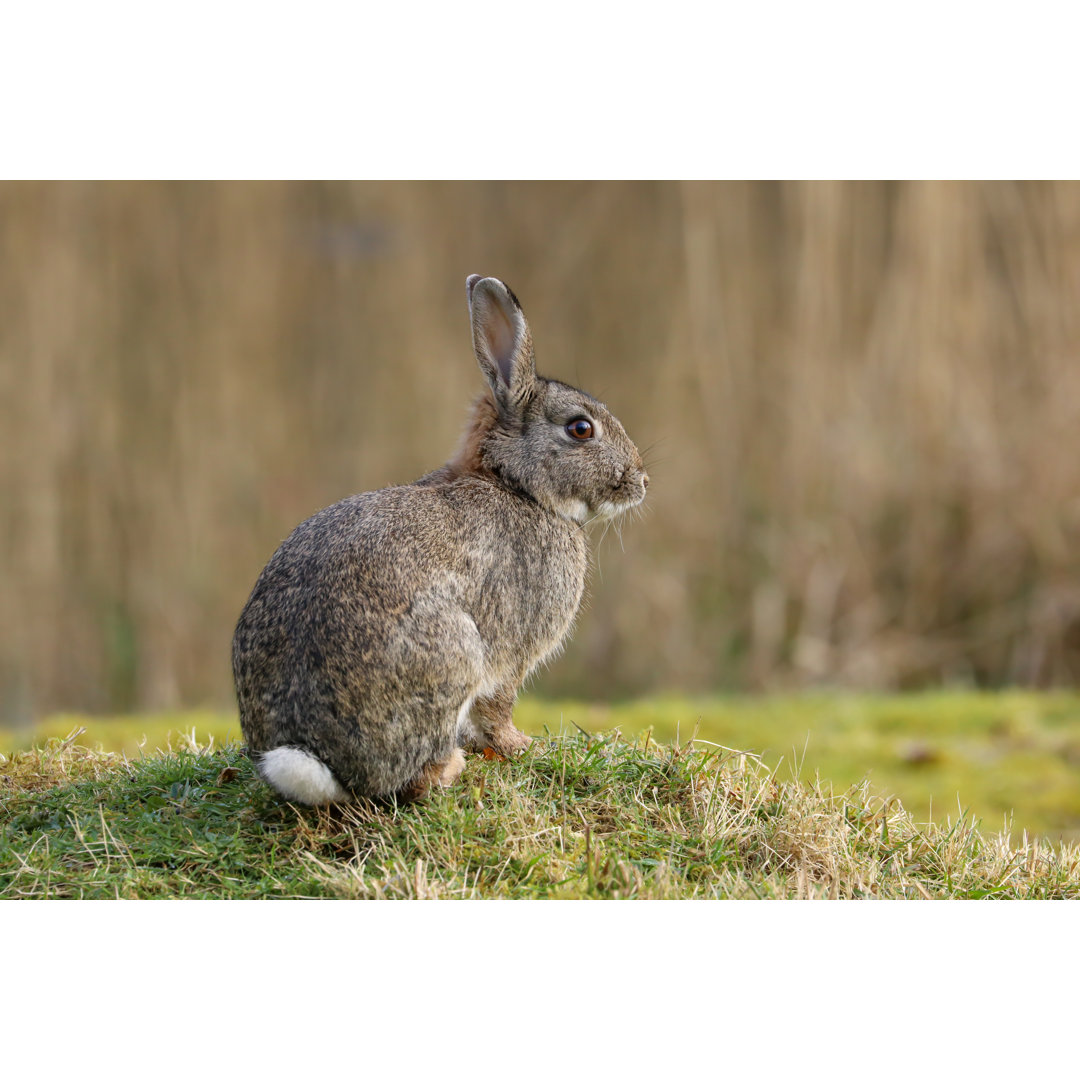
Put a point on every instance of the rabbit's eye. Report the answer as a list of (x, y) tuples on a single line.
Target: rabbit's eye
[(580, 429)]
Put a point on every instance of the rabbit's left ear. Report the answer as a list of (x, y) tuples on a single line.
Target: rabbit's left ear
[(502, 341)]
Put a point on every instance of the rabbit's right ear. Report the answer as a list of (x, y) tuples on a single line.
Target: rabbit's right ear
[(502, 341)]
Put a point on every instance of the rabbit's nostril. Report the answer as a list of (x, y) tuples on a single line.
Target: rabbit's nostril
[(644, 479)]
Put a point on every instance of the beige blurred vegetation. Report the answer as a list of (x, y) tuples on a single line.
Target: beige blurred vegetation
[(862, 402)]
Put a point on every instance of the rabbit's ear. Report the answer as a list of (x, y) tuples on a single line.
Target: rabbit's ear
[(502, 340)]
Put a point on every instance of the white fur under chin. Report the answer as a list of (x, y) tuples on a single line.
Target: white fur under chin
[(608, 509), (574, 510), (300, 777)]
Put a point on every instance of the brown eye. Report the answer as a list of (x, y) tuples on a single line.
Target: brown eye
[(580, 429)]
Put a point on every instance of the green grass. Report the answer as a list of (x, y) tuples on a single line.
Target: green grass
[(577, 816), (1012, 756)]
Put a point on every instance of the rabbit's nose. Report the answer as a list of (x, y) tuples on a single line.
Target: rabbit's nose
[(645, 480)]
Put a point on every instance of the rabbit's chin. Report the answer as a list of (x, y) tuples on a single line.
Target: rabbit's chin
[(574, 510), (579, 510), (608, 510)]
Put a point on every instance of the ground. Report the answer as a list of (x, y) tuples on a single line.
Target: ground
[(579, 814)]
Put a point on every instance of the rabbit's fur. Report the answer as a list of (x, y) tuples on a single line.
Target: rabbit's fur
[(396, 627)]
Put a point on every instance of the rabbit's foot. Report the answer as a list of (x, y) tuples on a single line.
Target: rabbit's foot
[(434, 773), (494, 725), (452, 768), (504, 740), (508, 740)]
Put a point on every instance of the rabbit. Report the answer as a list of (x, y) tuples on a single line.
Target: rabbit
[(393, 630)]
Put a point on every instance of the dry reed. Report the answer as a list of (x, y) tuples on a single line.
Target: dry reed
[(861, 399)]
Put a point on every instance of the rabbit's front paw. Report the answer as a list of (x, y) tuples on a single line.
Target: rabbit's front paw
[(494, 725), (508, 740)]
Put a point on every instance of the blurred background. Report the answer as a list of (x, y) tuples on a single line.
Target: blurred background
[(860, 403)]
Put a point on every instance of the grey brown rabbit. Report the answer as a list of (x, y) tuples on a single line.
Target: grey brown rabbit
[(396, 627)]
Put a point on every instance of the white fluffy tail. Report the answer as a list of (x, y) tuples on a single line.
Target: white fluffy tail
[(300, 777)]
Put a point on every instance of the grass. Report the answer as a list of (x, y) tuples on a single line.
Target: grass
[(1008, 758), (578, 816)]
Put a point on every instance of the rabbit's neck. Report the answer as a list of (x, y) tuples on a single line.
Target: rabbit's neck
[(468, 459)]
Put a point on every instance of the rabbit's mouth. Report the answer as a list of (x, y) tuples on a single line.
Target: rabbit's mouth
[(629, 492), (621, 497)]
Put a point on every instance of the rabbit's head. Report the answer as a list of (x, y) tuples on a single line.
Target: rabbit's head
[(556, 444)]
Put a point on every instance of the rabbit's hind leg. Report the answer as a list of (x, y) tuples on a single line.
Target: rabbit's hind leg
[(435, 773)]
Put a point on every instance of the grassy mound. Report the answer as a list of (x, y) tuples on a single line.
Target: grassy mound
[(577, 816), (1010, 757)]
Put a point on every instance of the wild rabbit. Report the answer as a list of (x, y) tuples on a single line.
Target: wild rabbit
[(396, 627)]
